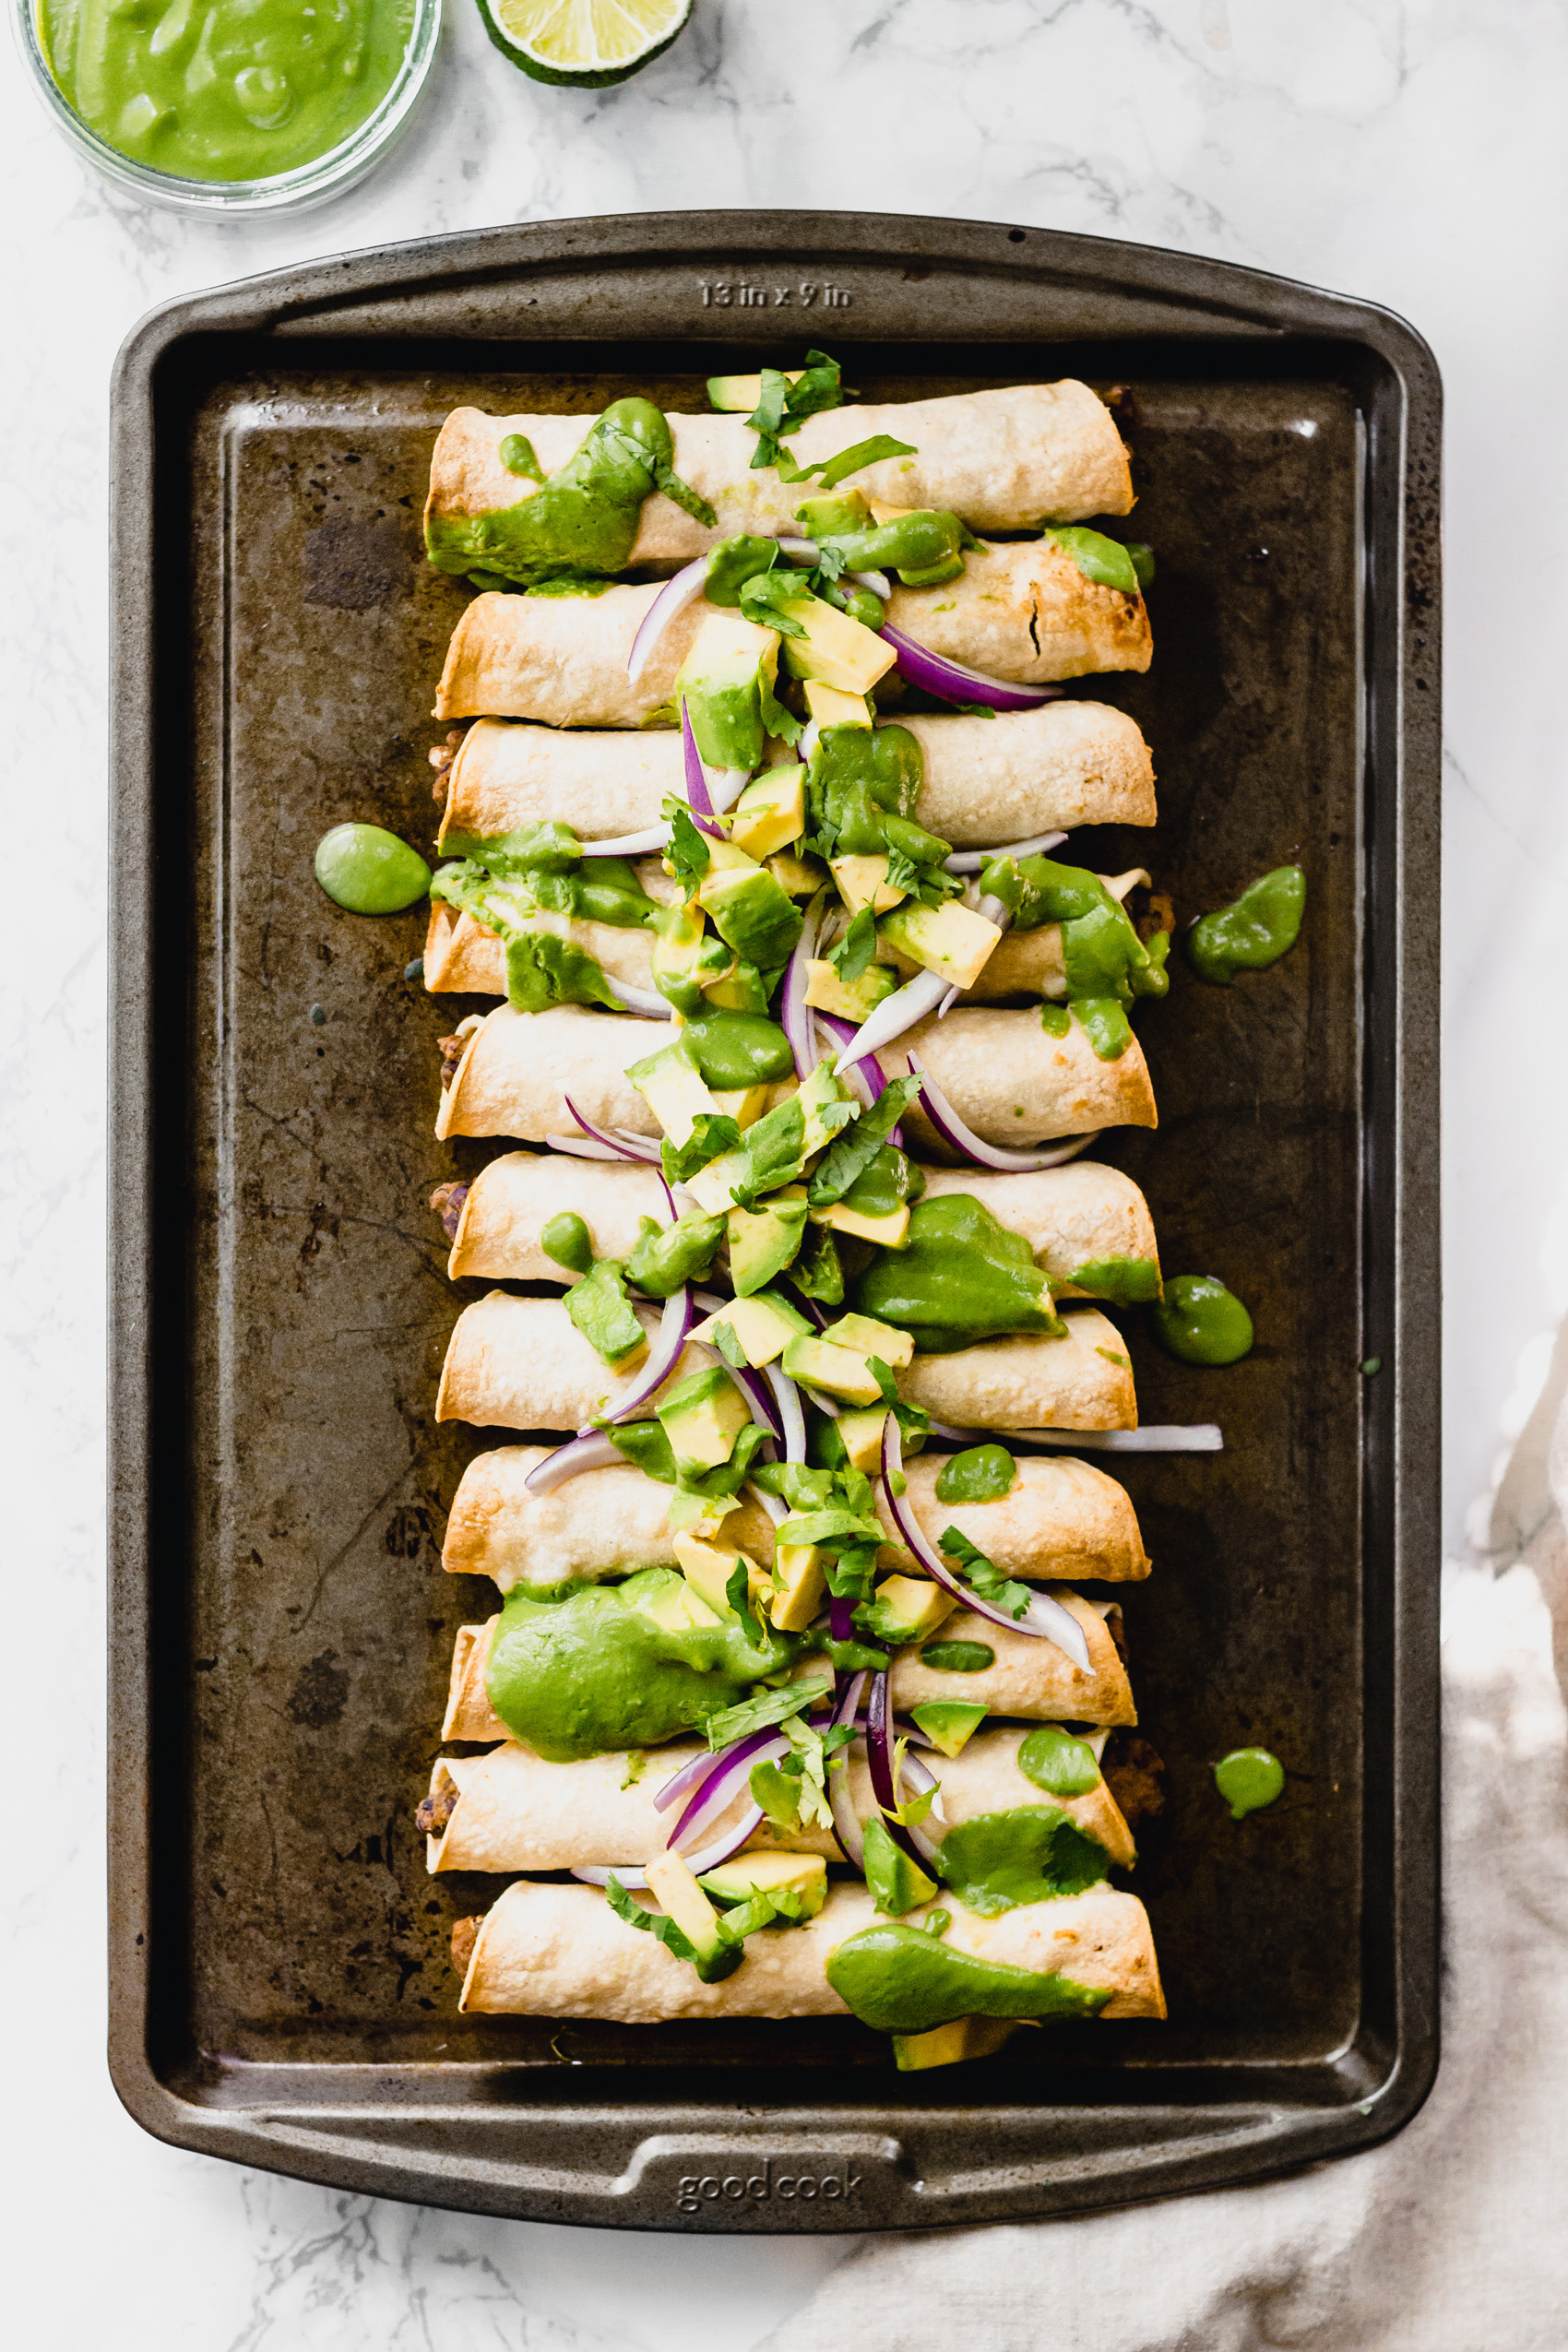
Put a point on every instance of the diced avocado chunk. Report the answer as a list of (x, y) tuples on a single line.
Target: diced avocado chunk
[(672, 1884), (851, 1000), (861, 1436), (833, 1369), (762, 1324), (676, 1605), (822, 1092), (834, 511), (863, 882), (898, 1884), (740, 395), (603, 1314), (719, 688), (949, 2045), (687, 957), (763, 1243), (709, 1567), (803, 1875), (701, 1417), (800, 1586), (669, 1084), (870, 1338), (797, 877), (949, 1723), (751, 913), (891, 1231), (911, 1608), (950, 939), (770, 813), (745, 1105), (830, 706), (840, 651)]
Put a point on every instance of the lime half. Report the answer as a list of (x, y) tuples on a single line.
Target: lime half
[(587, 43)]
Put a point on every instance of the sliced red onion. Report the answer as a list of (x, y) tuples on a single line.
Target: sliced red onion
[(865, 1075), (637, 845), (846, 1828), (1044, 1619), (841, 1617), (787, 1397), (778, 1512), (577, 1148), (592, 1452), (755, 1391), (618, 1145), (646, 1003), (955, 682), (971, 860), (674, 1329), (994, 913), (673, 598), (809, 1307), (631, 1874), (919, 1775), (914, 1841), (696, 781), (820, 1398), (719, 1790), (725, 786), (701, 1765), (968, 1145), (894, 1015), (795, 1014), (1173, 1437)]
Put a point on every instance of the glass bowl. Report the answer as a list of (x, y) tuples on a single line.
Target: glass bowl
[(307, 184)]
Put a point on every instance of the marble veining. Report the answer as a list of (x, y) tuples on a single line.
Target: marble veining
[(1410, 150)]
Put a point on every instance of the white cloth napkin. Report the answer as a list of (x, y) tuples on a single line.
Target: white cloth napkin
[(1449, 2239)]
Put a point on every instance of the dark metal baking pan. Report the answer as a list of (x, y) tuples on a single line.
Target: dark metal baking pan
[(280, 1988)]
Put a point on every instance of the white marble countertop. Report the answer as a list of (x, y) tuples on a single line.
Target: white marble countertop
[(1401, 149)]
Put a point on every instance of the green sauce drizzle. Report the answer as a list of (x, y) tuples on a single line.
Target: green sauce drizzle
[(603, 1314), (1104, 561), (598, 1671), (584, 521), (369, 871), (663, 1257), (1201, 1321), (980, 1474), (1254, 931), (516, 454), (1248, 1779), (1106, 964), (734, 1050), (1057, 1763), (994, 1861), (902, 1981), (957, 1658), (962, 1277), (1127, 1282)]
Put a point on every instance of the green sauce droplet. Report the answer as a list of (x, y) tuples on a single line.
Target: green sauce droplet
[(980, 1474), (565, 1238), (1201, 1321), (957, 1658), (1057, 1763), (369, 871), (1249, 1778), (1254, 932)]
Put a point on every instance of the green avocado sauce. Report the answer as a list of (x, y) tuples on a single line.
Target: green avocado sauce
[(565, 1238), (864, 786), (994, 1861), (229, 89), (599, 1672), (1057, 1763), (1104, 561), (1127, 1282), (1254, 931), (583, 521), (369, 871), (961, 1278), (1248, 1779), (664, 1256), (734, 1050), (980, 1474), (1107, 965), (1202, 1322), (902, 1981), (957, 1658), (604, 1314)]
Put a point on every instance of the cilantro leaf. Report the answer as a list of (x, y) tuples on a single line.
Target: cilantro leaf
[(985, 1578), (856, 952), (883, 1375), (738, 1593), (688, 852), (763, 1709), (849, 1155), (712, 1133), (861, 453)]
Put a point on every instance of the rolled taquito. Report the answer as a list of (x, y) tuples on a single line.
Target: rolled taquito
[(1082, 1215), (513, 1810), (987, 781), (1005, 1075), (522, 1363), (547, 1951), (1025, 1675), (1004, 459), (1022, 612), (1060, 1518)]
